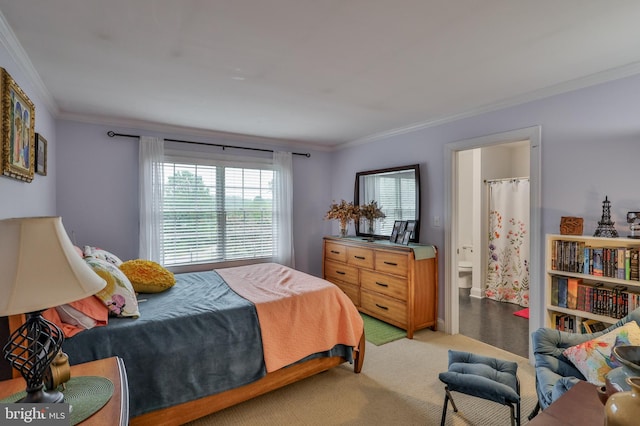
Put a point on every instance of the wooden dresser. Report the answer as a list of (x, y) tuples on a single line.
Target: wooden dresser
[(395, 283)]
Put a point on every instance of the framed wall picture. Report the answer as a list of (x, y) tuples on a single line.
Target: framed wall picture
[(41, 155), (17, 133)]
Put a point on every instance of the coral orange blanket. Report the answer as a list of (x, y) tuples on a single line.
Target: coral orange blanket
[(299, 314)]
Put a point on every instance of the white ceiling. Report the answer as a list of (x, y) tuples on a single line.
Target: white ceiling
[(322, 72)]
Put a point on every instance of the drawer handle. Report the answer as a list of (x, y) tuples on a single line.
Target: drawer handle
[(340, 273), (359, 257), (382, 307), (335, 252), (390, 263), (382, 284)]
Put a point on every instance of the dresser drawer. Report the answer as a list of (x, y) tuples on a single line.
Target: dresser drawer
[(392, 263), (384, 307), (335, 251), (341, 272), (360, 257), (385, 284)]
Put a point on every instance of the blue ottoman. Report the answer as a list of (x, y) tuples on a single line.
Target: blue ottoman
[(484, 377)]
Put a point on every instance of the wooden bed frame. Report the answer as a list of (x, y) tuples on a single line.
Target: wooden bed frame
[(192, 410)]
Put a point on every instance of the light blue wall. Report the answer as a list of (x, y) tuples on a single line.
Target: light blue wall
[(98, 190), (590, 149), (37, 198)]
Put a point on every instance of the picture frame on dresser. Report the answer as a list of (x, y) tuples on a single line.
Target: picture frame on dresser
[(396, 231), (409, 231)]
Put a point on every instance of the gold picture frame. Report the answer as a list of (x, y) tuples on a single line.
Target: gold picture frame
[(17, 133)]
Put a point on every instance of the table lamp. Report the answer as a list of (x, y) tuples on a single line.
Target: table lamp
[(39, 269)]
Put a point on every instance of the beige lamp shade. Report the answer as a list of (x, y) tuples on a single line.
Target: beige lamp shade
[(39, 267)]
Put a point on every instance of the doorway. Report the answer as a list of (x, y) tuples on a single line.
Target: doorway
[(461, 242)]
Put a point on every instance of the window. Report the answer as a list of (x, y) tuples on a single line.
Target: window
[(216, 211)]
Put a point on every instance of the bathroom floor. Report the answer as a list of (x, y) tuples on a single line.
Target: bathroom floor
[(493, 323)]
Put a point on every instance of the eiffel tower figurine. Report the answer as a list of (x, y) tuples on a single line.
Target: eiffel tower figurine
[(605, 225)]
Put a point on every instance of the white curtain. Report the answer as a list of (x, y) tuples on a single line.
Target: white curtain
[(508, 270), (283, 209), (151, 181)]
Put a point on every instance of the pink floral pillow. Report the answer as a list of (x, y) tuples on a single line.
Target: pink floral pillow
[(118, 295), (593, 358)]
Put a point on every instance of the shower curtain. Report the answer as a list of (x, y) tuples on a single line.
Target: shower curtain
[(508, 270)]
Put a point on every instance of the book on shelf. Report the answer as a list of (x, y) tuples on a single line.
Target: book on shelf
[(564, 322), (621, 256), (634, 263), (597, 268), (593, 326), (586, 264), (572, 292), (562, 292), (554, 290)]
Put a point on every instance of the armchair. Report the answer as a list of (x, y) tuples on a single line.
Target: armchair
[(555, 374)]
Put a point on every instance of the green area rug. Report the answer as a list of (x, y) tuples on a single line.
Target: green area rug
[(379, 332)]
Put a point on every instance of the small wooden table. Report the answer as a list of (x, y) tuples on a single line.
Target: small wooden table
[(579, 406), (115, 411)]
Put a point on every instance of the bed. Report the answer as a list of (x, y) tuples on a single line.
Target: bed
[(221, 337)]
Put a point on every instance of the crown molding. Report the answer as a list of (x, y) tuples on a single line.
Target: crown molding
[(168, 129), (557, 89), (9, 40)]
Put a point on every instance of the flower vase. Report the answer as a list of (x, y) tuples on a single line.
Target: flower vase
[(344, 226), (623, 408), (370, 227)]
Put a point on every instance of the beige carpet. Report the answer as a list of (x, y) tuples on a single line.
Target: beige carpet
[(398, 386)]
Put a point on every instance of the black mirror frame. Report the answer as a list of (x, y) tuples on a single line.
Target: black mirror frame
[(356, 199)]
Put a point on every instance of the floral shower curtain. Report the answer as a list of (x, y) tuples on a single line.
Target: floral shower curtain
[(508, 271)]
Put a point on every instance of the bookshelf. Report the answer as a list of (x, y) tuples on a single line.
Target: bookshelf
[(590, 280)]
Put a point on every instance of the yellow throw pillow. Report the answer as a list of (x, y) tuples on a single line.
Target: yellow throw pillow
[(147, 276)]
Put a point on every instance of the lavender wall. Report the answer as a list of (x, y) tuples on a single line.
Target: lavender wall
[(98, 190), (38, 198), (590, 148)]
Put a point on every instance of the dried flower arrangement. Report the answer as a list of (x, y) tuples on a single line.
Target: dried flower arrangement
[(371, 211), (345, 212)]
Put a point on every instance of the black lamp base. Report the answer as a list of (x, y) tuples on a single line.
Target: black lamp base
[(30, 350), (42, 397)]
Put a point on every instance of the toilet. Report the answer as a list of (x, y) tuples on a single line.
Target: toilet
[(465, 267)]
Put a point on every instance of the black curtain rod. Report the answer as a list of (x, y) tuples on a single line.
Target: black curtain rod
[(112, 134)]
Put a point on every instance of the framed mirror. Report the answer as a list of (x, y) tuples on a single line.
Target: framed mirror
[(396, 192)]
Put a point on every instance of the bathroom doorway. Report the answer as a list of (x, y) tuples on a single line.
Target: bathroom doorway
[(492, 216), (508, 155)]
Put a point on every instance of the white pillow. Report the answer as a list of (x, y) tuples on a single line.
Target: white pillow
[(74, 317)]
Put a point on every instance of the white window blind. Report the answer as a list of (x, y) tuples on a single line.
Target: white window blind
[(216, 212), (396, 196)]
